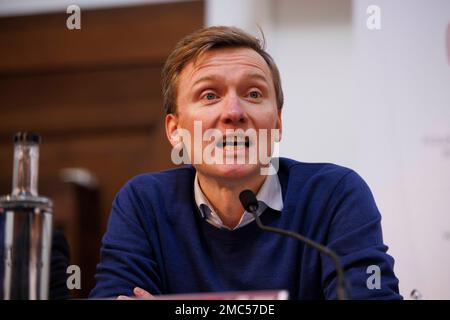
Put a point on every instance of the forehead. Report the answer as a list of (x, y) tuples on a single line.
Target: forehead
[(219, 60)]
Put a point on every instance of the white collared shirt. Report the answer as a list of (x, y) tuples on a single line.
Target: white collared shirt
[(269, 195)]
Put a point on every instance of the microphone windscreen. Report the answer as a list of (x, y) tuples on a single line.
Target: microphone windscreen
[(248, 200)]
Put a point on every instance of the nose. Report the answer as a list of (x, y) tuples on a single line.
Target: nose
[(233, 111)]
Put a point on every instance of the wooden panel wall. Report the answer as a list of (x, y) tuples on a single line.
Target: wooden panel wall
[(94, 96)]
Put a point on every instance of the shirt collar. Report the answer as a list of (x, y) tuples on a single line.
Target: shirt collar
[(269, 194)]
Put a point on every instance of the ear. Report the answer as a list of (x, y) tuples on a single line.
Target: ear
[(171, 129), (279, 124)]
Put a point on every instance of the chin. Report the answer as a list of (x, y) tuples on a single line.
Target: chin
[(232, 170)]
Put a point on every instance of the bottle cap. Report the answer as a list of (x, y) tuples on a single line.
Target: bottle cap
[(27, 137)]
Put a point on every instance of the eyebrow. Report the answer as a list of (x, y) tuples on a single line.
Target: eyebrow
[(205, 79), (258, 76), (252, 75)]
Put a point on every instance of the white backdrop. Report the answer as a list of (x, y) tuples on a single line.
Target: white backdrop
[(377, 101)]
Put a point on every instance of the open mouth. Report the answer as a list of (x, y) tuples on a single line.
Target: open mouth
[(233, 143)]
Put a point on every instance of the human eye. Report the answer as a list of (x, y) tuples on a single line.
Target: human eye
[(209, 96), (254, 94)]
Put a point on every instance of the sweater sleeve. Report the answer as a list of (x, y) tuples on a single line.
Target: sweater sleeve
[(127, 258), (355, 235)]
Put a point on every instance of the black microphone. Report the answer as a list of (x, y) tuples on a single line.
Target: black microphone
[(250, 203)]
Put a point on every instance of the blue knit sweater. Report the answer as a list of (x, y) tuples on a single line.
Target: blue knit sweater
[(157, 240)]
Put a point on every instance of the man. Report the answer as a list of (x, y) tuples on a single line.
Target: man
[(184, 230)]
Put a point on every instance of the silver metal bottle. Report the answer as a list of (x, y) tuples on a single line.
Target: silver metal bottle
[(28, 226)]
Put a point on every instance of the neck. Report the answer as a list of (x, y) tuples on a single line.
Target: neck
[(224, 196)]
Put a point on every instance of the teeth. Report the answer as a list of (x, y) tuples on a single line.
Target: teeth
[(233, 148), (235, 142)]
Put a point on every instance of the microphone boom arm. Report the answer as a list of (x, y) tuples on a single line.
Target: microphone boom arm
[(341, 290), (250, 203)]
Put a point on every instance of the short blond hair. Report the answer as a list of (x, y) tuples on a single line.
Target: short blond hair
[(193, 45)]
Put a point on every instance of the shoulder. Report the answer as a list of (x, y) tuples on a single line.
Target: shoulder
[(166, 180), (154, 187), (162, 179), (323, 173), (320, 181)]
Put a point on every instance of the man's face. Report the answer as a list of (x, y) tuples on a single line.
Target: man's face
[(230, 88)]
